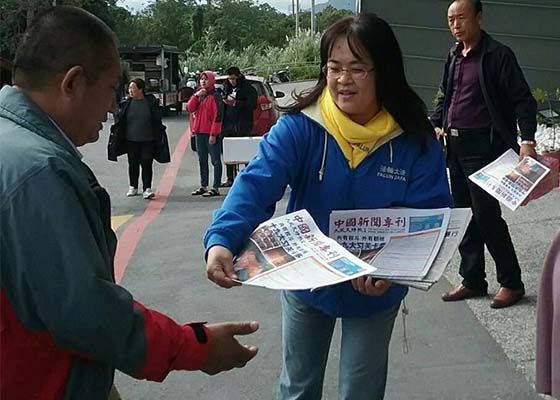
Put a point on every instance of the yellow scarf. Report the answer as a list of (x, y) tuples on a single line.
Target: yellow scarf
[(356, 141)]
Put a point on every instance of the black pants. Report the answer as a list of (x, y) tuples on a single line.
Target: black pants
[(466, 154), (140, 154)]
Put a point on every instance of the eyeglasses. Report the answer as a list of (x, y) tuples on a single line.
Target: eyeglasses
[(357, 74)]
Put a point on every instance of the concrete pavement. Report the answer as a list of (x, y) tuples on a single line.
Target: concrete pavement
[(456, 351)]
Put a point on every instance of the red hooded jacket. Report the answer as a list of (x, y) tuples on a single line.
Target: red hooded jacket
[(207, 111)]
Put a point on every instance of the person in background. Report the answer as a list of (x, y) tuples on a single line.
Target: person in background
[(139, 127), (208, 109), (484, 98), (331, 147), (548, 324), (240, 99), (65, 324)]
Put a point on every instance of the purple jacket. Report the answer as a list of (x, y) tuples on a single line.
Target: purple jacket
[(548, 324)]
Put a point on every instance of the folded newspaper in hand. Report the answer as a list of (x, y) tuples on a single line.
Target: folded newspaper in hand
[(407, 246), (290, 252), (509, 180)]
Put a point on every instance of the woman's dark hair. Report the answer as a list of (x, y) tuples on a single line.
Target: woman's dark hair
[(233, 71), (140, 84), (368, 34)]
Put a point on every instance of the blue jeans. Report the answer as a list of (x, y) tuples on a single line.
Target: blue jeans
[(306, 338), (203, 147)]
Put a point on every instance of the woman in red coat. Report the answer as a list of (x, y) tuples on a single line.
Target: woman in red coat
[(208, 110)]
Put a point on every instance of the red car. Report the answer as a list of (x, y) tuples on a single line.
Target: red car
[(266, 114)]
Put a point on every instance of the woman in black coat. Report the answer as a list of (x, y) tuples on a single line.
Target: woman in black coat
[(139, 132)]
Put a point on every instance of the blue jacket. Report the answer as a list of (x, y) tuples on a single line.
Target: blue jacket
[(294, 153)]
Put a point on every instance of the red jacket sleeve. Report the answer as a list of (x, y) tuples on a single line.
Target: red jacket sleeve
[(192, 104), (170, 346)]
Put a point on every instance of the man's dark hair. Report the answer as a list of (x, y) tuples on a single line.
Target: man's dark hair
[(140, 84), (233, 71), (58, 39), (476, 5), (369, 35)]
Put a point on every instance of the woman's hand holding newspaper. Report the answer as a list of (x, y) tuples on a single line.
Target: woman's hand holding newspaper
[(370, 286), (219, 267)]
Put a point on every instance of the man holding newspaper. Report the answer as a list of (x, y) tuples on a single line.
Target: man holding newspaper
[(359, 139), (484, 98)]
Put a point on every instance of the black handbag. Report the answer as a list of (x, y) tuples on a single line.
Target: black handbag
[(115, 146), (162, 147)]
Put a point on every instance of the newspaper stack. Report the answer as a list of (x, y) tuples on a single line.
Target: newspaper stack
[(407, 246), (509, 180)]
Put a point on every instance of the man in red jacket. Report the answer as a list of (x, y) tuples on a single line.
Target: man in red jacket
[(65, 325)]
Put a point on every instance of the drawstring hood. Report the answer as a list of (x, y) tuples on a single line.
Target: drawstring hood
[(324, 157)]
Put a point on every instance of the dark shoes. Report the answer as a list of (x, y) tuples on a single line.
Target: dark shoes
[(205, 193), (226, 184), (211, 193), (507, 297), (462, 292), (504, 298), (199, 191)]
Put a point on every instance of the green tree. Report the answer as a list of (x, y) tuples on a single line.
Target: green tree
[(329, 16), (18, 14), (240, 23), (198, 23), (15, 16), (169, 22)]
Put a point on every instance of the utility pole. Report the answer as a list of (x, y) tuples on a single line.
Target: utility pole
[(312, 16), (293, 8), (297, 18), (358, 6)]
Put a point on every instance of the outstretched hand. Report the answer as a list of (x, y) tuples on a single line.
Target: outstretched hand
[(370, 286), (219, 267), (226, 352)]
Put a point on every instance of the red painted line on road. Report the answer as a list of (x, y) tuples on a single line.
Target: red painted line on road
[(133, 233)]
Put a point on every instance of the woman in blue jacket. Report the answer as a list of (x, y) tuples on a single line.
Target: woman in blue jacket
[(359, 139)]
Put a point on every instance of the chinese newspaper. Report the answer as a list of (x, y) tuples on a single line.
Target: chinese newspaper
[(509, 180), (290, 252), (456, 228), (401, 243)]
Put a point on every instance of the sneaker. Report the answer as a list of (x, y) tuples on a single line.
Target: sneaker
[(148, 194), (132, 191)]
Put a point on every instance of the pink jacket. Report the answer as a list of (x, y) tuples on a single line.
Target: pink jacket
[(548, 324), (207, 112)]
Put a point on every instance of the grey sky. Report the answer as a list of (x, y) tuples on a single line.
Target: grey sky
[(284, 6)]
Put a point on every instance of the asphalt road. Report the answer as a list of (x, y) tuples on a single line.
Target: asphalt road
[(456, 351)]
